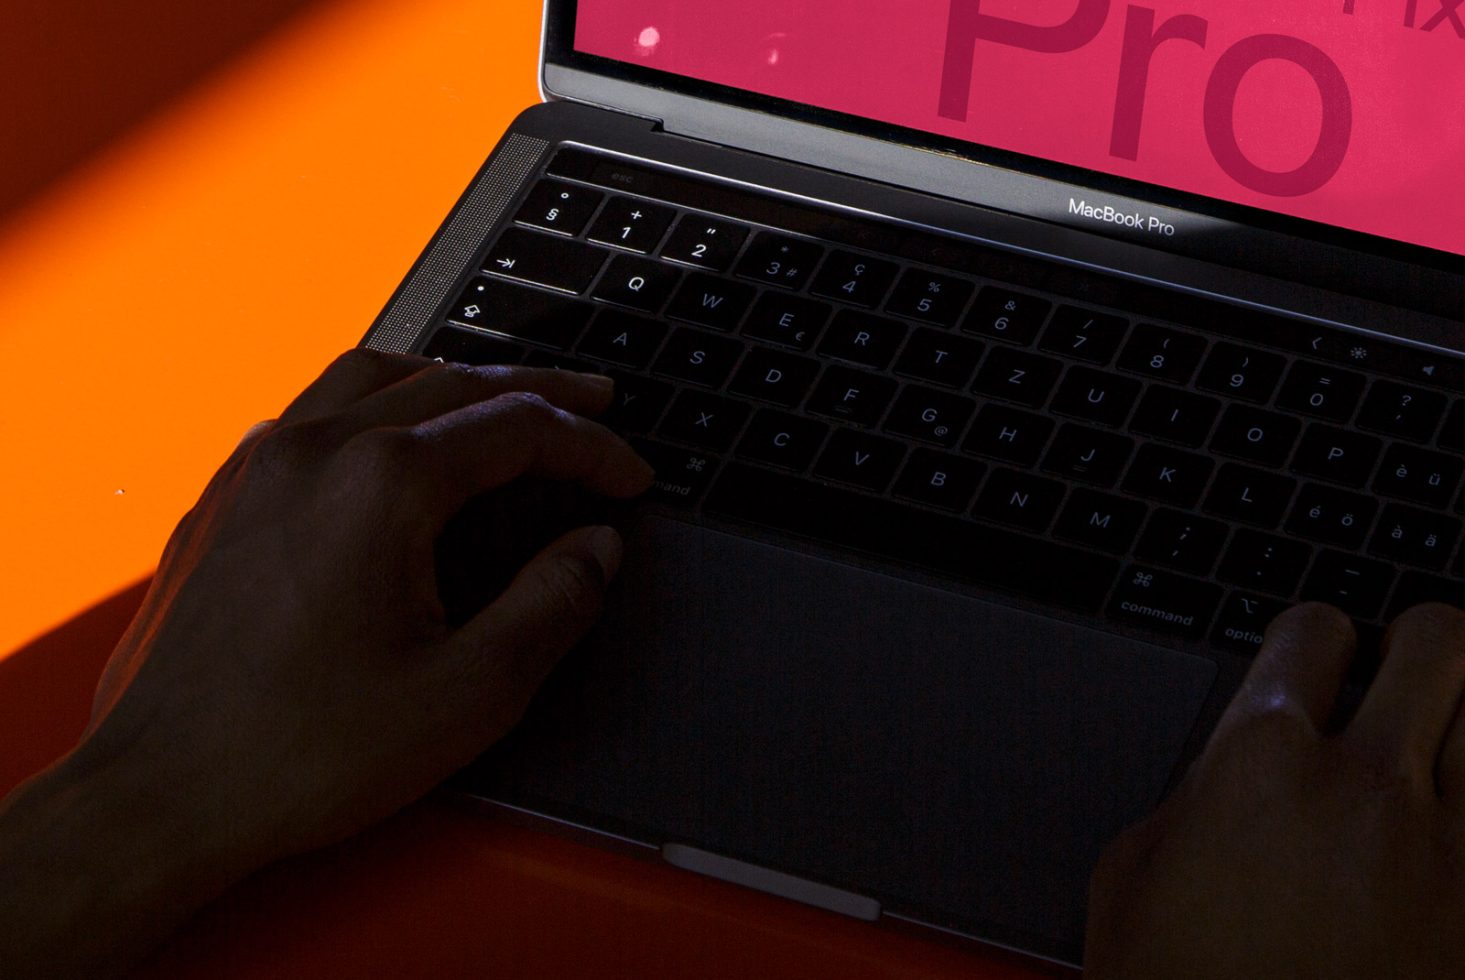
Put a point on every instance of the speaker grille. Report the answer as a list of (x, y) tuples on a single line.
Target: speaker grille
[(410, 313)]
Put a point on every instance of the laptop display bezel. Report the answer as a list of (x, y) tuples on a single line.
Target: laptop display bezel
[(559, 51)]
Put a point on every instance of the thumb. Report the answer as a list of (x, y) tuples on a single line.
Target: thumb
[(550, 605)]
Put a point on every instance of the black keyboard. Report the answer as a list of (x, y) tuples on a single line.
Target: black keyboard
[(1174, 463)]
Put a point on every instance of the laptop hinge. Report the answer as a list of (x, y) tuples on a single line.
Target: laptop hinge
[(772, 882), (657, 123)]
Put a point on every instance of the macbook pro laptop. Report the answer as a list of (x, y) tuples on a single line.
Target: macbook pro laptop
[(1006, 367)]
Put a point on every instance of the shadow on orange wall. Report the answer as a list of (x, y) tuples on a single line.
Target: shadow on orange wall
[(76, 73), (46, 686)]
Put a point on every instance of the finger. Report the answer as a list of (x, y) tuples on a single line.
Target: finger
[(1412, 703), (442, 388), (434, 468), (349, 378), (510, 647), (1300, 668), (1450, 769)]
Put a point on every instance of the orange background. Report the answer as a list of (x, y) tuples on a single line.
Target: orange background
[(201, 205)]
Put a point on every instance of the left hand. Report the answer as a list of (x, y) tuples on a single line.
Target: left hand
[(291, 677), (291, 666)]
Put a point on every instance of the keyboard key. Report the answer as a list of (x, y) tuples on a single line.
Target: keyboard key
[(1355, 585), (1010, 317), (1243, 622), (699, 358), (1242, 373), (1020, 499), (1100, 521), (856, 279), (930, 297), (556, 206), (773, 376), (939, 358), (1419, 475), (1017, 376), (1009, 435), (637, 404), (1168, 475), (544, 260), (642, 284), (1323, 392), (788, 320), (782, 440), (633, 225), (1182, 541), (1336, 455), (1257, 436), (622, 338), (1417, 588), (711, 302), (1096, 396), (706, 243), (1084, 334), (780, 260), (681, 475), (703, 420), (1415, 537), (863, 338), (1452, 436), (851, 395), (860, 459), (1041, 570), (1164, 601), (940, 480), (1399, 410), (1330, 516), (1265, 562), (469, 347), (1089, 455), (560, 362), (1165, 355), (1175, 416), (1250, 495), (931, 416), (527, 314)]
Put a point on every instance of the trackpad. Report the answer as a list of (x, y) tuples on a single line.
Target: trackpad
[(950, 757)]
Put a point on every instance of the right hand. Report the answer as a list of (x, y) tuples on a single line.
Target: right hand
[(1287, 852)]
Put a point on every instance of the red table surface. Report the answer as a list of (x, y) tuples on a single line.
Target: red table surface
[(201, 205)]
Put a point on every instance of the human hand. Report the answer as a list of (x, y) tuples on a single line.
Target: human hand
[(291, 677), (1287, 852)]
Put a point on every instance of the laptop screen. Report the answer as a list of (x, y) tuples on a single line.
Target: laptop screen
[(1342, 112)]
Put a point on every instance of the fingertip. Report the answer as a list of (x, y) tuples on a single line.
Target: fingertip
[(1312, 622), (605, 545), (623, 472), (1429, 618), (602, 387), (1301, 666), (645, 475)]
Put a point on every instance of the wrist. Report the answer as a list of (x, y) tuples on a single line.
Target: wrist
[(98, 864)]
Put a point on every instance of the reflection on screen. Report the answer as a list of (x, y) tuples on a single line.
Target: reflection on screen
[(1340, 111)]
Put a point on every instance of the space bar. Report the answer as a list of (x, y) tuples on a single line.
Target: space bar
[(986, 555)]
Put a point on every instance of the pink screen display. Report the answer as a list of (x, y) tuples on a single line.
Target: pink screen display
[(1345, 112)]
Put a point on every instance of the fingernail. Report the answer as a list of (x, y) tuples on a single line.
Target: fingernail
[(606, 547), (598, 380)]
